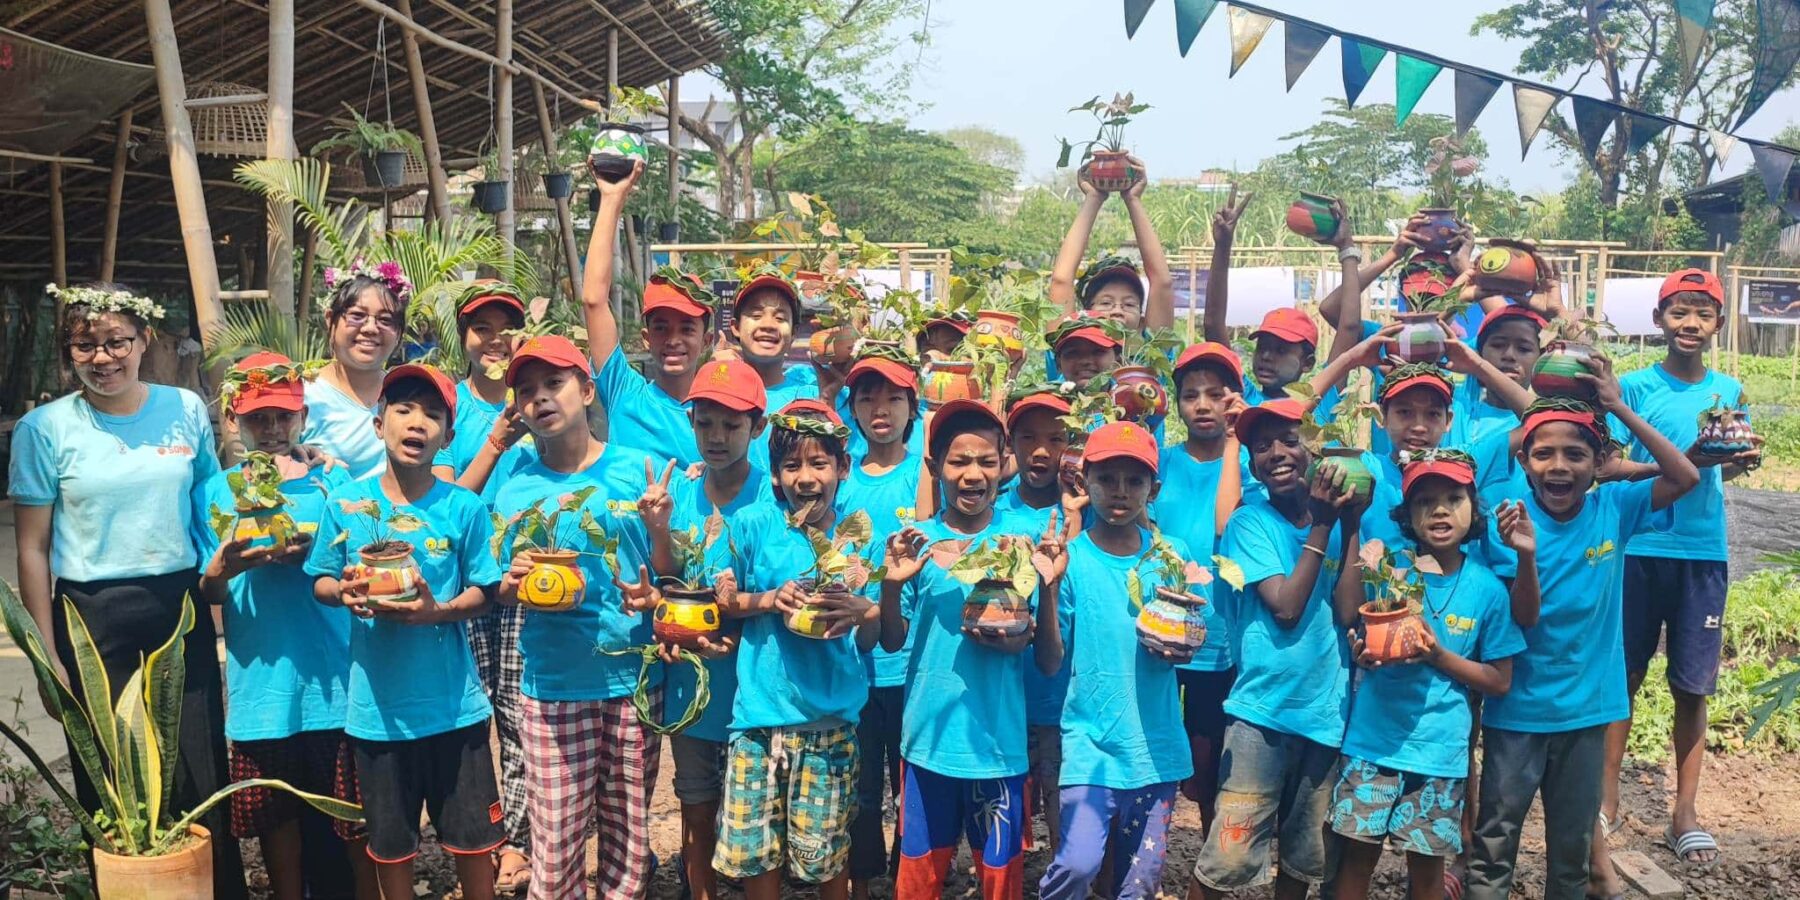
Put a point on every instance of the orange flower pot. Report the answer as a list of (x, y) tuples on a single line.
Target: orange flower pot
[(1392, 636)]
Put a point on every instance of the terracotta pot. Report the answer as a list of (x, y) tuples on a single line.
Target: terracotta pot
[(1724, 431), (1439, 229), (1392, 636), (185, 874), (995, 610), (994, 328), (1311, 217), (1422, 283), (617, 147), (685, 616), (1356, 473), (1421, 338), (555, 582), (1507, 267), (833, 346), (810, 284), (1139, 392), (805, 620), (1172, 623), (1556, 371), (1069, 469), (947, 380), (1110, 170), (392, 576)]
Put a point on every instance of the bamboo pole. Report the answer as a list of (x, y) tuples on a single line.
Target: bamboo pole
[(184, 169), (307, 258), (59, 247), (506, 222), (280, 260), (1735, 320), (436, 184), (565, 222), (674, 103), (407, 23), (115, 196), (612, 62)]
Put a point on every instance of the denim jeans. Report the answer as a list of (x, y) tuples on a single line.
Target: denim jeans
[(1274, 788)]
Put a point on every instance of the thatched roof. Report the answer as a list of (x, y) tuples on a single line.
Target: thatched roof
[(336, 62)]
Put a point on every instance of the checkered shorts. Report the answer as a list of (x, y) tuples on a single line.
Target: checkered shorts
[(589, 762), (789, 795), (318, 762)]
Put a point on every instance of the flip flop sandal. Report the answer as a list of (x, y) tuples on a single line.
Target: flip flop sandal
[(515, 882), (1611, 827), (1689, 842), (1453, 886)]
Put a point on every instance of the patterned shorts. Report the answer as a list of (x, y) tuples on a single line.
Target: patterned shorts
[(315, 761), (789, 795), (1417, 813)]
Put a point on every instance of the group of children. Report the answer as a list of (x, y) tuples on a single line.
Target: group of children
[(1306, 751)]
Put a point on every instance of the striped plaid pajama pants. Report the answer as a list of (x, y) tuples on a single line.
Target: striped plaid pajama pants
[(589, 763), (494, 640)]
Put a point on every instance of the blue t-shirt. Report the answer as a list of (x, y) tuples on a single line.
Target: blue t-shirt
[(1473, 417), (784, 679), (798, 382), (965, 707), (1292, 680), (1044, 694), (889, 500), (1121, 725), (561, 649), (639, 413), (1378, 520), (1572, 673), (679, 681), (475, 418), (412, 681), (1673, 407), (121, 487), (1186, 509), (287, 657), (343, 427), (1415, 718)]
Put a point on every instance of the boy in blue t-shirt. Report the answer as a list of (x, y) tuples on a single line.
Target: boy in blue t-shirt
[(287, 661), (1508, 340), (1676, 578), (416, 714), (1548, 734)]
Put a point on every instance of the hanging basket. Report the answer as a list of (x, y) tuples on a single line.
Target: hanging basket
[(229, 129), (351, 172)]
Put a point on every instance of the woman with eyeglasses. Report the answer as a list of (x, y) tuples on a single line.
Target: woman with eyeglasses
[(101, 482), (363, 322)]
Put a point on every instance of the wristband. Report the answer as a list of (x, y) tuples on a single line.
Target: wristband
[(498, 447), (1311, 549), (1351, 252)]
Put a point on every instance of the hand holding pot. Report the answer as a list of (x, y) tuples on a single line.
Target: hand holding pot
[(235, 557), (1014, 644), (353, 592), (512, 578), (842, 611), (294, 552), (1085, 184), (1328, 494), (1359, 651), (704, 646), (1747, 459), (1462, 256), (905, 556), (1600, 378), (640, 597), (420, 610), (1460, 357), (1407, 241), (1344, 238), (789, 598), (1370, 352), (617, 191), (1516, 528), (1139, 176)]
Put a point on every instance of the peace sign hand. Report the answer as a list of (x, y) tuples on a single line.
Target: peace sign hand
[(1050, 556), (656, 506), (1225, 221), (640, 597)]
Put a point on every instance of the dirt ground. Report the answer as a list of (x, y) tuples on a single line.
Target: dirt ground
[(1752, 804)]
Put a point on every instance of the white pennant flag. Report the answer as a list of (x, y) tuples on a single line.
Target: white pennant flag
[(1723, 144)]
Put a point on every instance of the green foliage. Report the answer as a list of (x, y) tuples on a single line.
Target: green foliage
[(365, 138), (534, 529), (1393, 576), (1112, 118), (44, 850), (254, 326), (1004, 560), (837, 556), (691, 548), (383, 529)]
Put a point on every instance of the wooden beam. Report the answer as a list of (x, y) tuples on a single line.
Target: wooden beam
[(673, 101), (437, 185), (39, 157), (279, 264), (506, 222), (619, 25), (466, 50), (115, 195), (184, 169), (564, 221), (59, 248), (240, 99)]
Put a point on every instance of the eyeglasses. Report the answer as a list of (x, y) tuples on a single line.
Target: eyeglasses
[(117, 348), (356, 318)]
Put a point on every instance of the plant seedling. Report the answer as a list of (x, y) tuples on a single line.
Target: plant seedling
[(1113, 117), (532, 529)]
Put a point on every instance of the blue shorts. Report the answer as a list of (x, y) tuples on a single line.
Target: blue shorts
[(1420, 814), (1688, 597)]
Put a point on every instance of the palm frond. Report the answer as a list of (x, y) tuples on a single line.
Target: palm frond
[(343, 230), (254, 326)]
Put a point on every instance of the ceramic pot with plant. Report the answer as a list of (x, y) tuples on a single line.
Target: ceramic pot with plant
[(1314, 217), (1001, 579), (386, 561), (689, 610), (1090, 407), (259, 509), (555, 582), (1568, 346), (1725, 430), (1170, 621), (1507, 268), (559, 185), (945, 380), (1104, 160), (1392, 627), (618, 144), (1437, 233), (1138, 391), (1446, 167), (381, 147), (1422, 337), (1349, 460), (838, 569), (1333, 443), (1425, 281), (1000, 328)]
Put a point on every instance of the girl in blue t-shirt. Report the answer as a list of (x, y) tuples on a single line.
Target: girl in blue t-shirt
[(363, 322)]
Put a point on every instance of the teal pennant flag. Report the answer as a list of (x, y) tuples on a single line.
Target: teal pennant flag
[(1360, 62), (1411, 77), (1190, 17)]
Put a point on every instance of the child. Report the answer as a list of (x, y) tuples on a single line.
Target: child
[(1085, 346), (1548, 732), (589, 761), (287, 661), (1675, 577), (791, 763), (1124, 751), (963, 730), (943, 332), (1406, 751), (418, 741), (1281, 747), (764, 312), (1507, 340), (1112, 287)]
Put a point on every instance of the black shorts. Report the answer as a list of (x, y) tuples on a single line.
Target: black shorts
[(451, 775), (1686, 599), (1203, 701), (318, 762)]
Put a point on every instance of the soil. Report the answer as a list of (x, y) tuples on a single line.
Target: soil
[(384, 549)]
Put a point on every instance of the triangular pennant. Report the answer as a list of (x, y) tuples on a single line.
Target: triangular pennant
[(1533, 107), (1360, 61), (1777, 50), (1190, 15), (1592, 118), (1411, 77), (1247, 30), (1472, 95), (1773, 164), (1694, 19), (1722, 144), (1135, 11), (1303, 43), (1644, 129)]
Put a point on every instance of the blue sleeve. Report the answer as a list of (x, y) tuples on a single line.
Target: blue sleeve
[(328, 556), (1248, 542), (618, 381), (1490, 453), (32, 476), (206, 543), (478, 566), (1500, 636), (1065, 614), (206, 454), (445, 458), (1634, 500)]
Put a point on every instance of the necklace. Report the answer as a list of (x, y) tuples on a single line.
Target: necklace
[(1437, 611), (95, 414)]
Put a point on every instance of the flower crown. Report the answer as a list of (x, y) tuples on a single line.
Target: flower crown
[(236, 380), (689, 284), (1062, 390), (99, 302), (387, 272), (868, 349), (1100, 267), (1436, 454), (809, 426)]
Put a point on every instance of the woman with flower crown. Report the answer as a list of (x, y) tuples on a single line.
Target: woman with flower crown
[(101, 482), (363, 322)]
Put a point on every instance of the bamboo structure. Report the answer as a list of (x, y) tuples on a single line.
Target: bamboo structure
[(115, 192), (280, 262), (565, 223), (184, 169), (436, 183), (59, 246), (506, 222)]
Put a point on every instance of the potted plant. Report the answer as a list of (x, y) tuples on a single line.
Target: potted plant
[(1446, 166), (143, 846), (826, 271), (1090, 406), (1508, 268), (1391, 623), (668, 232), (1314, 217), (689, 609), (491, 194), (1002, 578), (1104, 159), (1333, 443), (1139, 386), (555, 582), (259, 512), (46, 855), (1169, 622), (1568, 345), (381, 146), (1725, 430), (386, 561), (618, 142), (838, 567)]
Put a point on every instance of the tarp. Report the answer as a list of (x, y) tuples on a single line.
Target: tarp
[(51, 97)]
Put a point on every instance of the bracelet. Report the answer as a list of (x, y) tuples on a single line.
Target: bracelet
[(1311, 549), (498, 447), (1351, 252)]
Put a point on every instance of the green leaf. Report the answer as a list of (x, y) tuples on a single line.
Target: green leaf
[(405, 523), (330, 806), (1024, 579), (136, 773), (1134, 587), (1230, 572), (854, 529), (1063, 156), (1778, 694), (497, 541), (165, 685), (220, 522), (90, 672)]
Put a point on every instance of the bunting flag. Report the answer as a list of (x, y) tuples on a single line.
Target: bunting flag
[(1777, 50), (1644, 129), (1473, 92), (1533, 106), (1722, 144), (1411, 77), (1190, 15), (1773, 164), (1135, 11), (1360, 61), (1247, 30), (1695, 19), (1592, 118), (1303, 43)]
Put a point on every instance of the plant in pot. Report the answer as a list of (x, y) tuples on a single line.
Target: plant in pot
[(1091, 405), (689, 610), (492, 195), (1447, 165), (381, 147), (1507, 268), (259, 509), (1104, 159), (1568, 345), (1333, 443), (1392, 626), (838, 567), (1138, 386), (143, 846), (1725, 430), (555, 582), (618, 142), (1001, 579), (1169, 622), (1425, 281), (386, 561)]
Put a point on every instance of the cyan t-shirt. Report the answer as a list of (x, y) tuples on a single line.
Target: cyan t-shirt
[(1121, 725), (965, 708), (640, 414), (1696, 529), (1572, 673), (287, 657), (786, 680), (1044, 694), (889, 500), (1291, 680), (1186, 509), (798, 382), (1473, 417), (1415, 718), (561, 650), (120, 487), (475, 418), (412, 681), (343, 427)]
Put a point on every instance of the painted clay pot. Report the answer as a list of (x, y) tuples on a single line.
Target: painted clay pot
[(1438, 231), (805, 620), (617, 147), (555, 582), (995, 610), (185, 874), (947, 380), (1421, 338), (1110, 170), (1724, 431), (1507, 267), (392, 576), (1392, 636), (1139, 393), (1557, 370), (833, 346), (1425, 279), (809, 284), (1311, 217), (1068, 471), (259, 527), (1172, 623), (994, 328), (685, 616), (1356, 473)]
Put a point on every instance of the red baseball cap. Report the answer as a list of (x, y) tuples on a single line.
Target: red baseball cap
[(1289, 324), (949, 410), (1093, 334), (1433, 380), (1215, 352), (1692, 280), (959, 321), (445, 387), (265, 393), (1456, 470), (1509, 311), (810, 405), (661, 294), (768, 280), (554, 349), (490, 297), (1285, 408), (1535, 419), (731, 383), (1122, 439), (897, 374), (1040, 400)]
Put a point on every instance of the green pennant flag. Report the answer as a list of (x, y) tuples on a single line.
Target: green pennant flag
[(1190, 15), (1777, 50), (1135, 11), (1360, 61), (1411, 77)]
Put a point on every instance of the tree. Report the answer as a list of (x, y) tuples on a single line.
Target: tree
[(989, 146)]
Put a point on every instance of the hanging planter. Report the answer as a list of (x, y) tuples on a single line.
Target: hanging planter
[(492, 197), (385, 169), (593, 201), (668, 232), (559, 185)]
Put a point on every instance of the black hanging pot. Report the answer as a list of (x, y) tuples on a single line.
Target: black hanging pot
[(385, 168), (668, 232), (491, 196), (559, 185), (593, 200), (639, 225)]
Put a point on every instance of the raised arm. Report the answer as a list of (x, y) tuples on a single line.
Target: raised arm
[(596, 280), (1074, 246), (1678, 474), (1347, 595), (1333, 305), (1347, 327), (1159, 310), (1465, 360), (1517, 532), (1218, 273)]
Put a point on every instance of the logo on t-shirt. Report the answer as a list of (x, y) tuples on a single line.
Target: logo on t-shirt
[(437, 547), (621, 509), (1459, 625), (175, 450), (1597, 555)]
